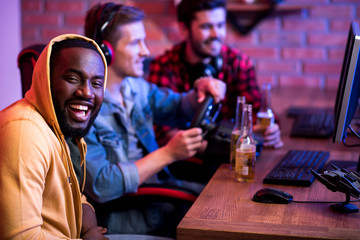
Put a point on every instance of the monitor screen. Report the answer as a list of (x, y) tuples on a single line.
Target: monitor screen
[(349, 85)]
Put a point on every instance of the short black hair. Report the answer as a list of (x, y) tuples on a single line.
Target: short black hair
[(187, 8), (69, 43)]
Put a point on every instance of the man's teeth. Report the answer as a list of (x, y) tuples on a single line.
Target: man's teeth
[(79, 107)]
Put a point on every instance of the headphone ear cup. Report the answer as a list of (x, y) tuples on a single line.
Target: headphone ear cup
[(214, 67), (108, 51), (209, 70), (217, 62)]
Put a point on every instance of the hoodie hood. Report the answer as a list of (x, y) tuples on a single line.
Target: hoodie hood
[(40, 96)]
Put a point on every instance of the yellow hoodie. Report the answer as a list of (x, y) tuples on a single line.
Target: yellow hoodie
[(40, 196)]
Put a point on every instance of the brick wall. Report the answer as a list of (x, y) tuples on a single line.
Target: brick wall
[(304, 47)]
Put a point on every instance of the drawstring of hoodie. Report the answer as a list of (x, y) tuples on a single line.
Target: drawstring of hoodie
[(82, 146)]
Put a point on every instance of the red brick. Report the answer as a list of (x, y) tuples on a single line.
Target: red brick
[(303, 25), (65, 6), (303, 53), (333, 11), (336, 54), (258, 52), (162, 21), (331, 39), (92, 3), (283, 38), (49, 33), (233, 37), (44, 19), (322, 67), (306, 1), (268, 24), (157, 49), (30, 33), (276, 66), (266, 77), (173, 36), (26, 43), (332, 81), (154, 34), (340, 25), (345, 1), (153, 7), (31, 5), (74, 20), (300, 81)]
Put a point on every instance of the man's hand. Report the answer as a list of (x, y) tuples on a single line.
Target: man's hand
[(272, 136), (95, 233), (90, 230), (185, 143), (210, 85)]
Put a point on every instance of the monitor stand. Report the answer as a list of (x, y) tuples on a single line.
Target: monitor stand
[(351, 166), (345, 207)]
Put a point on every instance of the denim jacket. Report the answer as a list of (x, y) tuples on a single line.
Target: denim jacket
[(110, 173)]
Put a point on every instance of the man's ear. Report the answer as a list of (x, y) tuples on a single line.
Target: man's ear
[(184, 31)]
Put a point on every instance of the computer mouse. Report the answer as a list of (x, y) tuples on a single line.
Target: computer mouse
[(272, 195)]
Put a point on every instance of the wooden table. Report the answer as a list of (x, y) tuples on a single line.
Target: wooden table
[(224, 210)]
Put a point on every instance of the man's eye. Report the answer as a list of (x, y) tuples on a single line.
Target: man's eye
[(221, 25), (97, 84), (134, 43), (206, 27), (71, 79)]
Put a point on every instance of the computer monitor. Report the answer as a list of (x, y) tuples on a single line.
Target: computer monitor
[(349, 86), (348, 94)]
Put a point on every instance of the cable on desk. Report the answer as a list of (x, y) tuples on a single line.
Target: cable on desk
[(357, 200), (356, 134)]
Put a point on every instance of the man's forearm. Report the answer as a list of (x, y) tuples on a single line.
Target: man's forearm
[(89, 229), (88, 219)]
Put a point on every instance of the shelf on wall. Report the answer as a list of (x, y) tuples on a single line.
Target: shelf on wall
[(245, 16)]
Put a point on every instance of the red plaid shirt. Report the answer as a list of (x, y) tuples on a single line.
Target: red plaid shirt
[(238, 72)]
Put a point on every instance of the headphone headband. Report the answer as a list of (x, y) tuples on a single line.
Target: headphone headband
[(100, 28), (100, 23)]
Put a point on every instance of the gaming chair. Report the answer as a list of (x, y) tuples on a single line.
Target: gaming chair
[(26, 62)]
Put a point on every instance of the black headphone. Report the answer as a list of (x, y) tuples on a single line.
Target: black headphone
[(211, 69), (101, 25)]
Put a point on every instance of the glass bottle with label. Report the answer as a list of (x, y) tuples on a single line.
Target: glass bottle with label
[(245, 149), (235, 134), (265, 116)]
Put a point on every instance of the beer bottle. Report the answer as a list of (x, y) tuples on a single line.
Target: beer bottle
[(245, 149), (235, 134), (265, 116)]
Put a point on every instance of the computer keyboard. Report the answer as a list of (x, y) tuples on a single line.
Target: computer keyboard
[(295, 111), (294, 168), (311, 122)]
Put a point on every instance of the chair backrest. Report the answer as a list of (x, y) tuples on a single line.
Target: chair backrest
[(26, 63)]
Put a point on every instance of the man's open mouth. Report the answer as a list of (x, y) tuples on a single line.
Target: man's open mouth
[(79, 112)]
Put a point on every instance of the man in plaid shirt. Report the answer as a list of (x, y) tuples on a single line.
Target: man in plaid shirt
[(203, 52)]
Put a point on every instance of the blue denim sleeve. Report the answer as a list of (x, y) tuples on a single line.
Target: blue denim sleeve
[(189, 103), (171, 108), (109, 174)]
